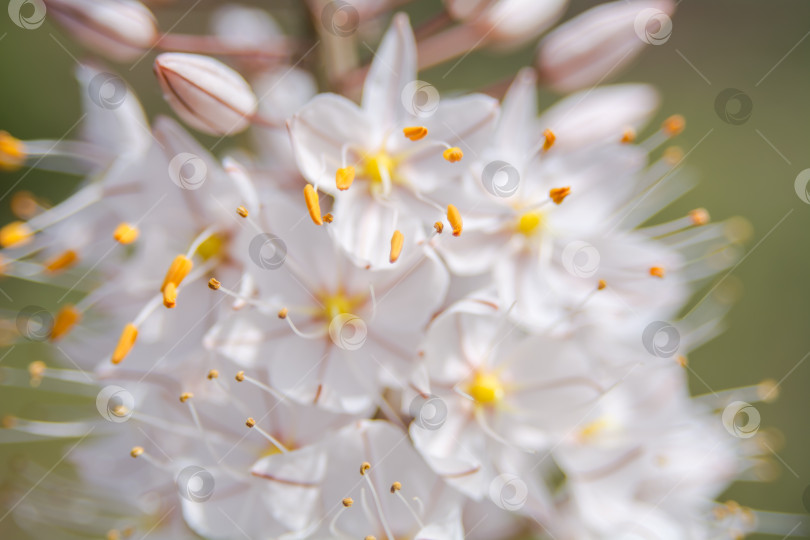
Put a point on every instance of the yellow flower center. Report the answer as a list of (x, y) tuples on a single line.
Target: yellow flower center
[(375, 166), (336, 304), (212, 246), (530, 223), (485, 388)]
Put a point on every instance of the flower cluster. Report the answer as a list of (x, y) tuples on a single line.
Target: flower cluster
[(423, 316)]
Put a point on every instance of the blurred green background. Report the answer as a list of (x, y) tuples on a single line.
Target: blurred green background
[(758, 47)]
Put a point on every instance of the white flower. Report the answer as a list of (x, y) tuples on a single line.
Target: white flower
[(391, 173)]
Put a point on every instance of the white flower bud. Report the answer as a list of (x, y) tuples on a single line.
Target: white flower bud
[(595, 44), (507, 22), (205, 93), (121, 30)]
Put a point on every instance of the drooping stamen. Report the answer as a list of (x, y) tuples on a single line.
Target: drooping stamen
[(365, 470), (125, 233), (12, 152), (438, 227), (396, 487), (125, 343), (657, 271), (346, 503), (212, 374), (313, 204), (344, 178), (214, 284), (242, 211), (453, 154), (558, 195), (396, 246), (241, 377), (64, 322), (696, 218), (251, 423), (15, 234), (415, 133), (454, 217)]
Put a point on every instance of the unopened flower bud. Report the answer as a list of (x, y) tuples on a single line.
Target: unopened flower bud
[(205, 93), (121, 30)]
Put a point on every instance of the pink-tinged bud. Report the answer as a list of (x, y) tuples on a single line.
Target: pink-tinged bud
[(205, 93), (597, 43), (507, 22), (121, 30)]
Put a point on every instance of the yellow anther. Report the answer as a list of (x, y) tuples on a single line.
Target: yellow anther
[(396, 246), (768, 390), (370, 537), (214, 284), (364, 467), (601, 285), (240, 376), (24, 205), (549, 140), (185, 396), (242, 211), (15, 234), (64, 322), (136, 451), (125, 233), (61, 261), (454, 217), (250, 422), (673, 155), (453, 154), (12, 152), (699, 216), (170, 295), (628, 136), (213, 374), (673, 125), (282, 313), (682, 361), (558, 195), (415, 133), (125, 343), (348, 502), (530, 222), (344, 178), (8, 421), (313, 204), (177, 272), (485, 388), (396, 486), (36, 369), (657, 271), (328, 218)]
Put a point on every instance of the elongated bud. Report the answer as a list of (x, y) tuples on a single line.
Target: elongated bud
[(119, 30), (600, 42), (506, 22), (205, 93)]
